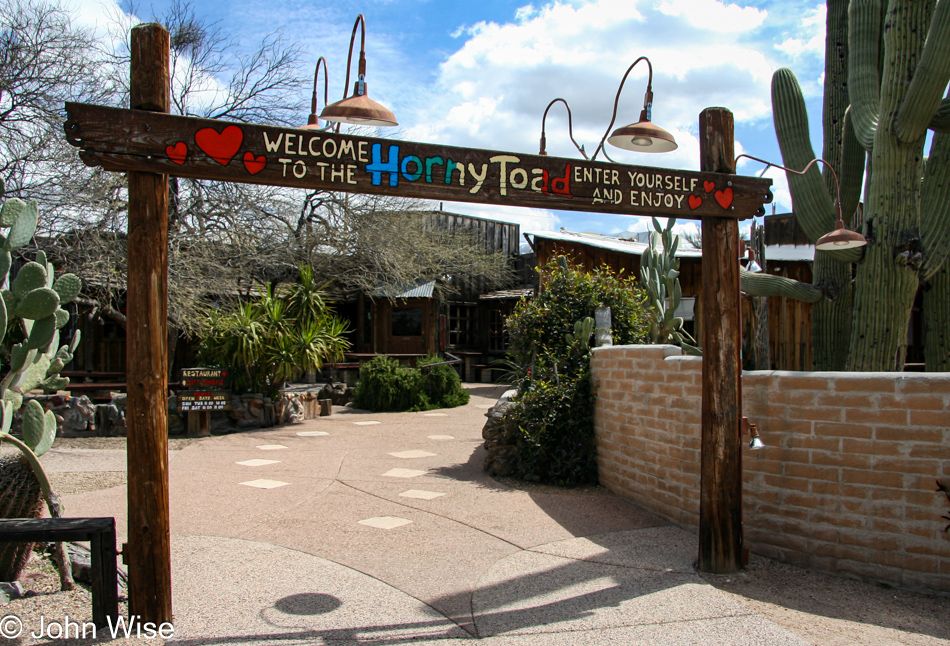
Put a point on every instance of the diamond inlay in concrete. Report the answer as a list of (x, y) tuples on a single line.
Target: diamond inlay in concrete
[(421, 494), (312, 433), (412, 454), (441, 437), (264, 484), (271, 447), (403, 473), (436, 414), (258, 462), (365, 423), (385, 522)]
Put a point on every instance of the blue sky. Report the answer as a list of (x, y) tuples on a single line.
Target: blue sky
[(480, 74)]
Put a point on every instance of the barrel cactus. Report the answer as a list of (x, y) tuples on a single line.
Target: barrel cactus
[(20, 497), (659, 274), (886, 68), (31, 317)]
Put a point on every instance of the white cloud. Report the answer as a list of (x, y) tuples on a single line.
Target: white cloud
[(712, 14), (810, 35), (95, 14), (492, 92)]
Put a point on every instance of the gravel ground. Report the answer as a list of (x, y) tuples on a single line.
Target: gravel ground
[(824, 610)]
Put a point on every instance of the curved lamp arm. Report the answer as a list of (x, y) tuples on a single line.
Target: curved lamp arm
[(841, 237), (834, 175), (647, 101), (570, 129), (312, 120), (360, 22)]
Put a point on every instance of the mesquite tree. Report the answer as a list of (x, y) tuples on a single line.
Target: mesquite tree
[(886, 68)]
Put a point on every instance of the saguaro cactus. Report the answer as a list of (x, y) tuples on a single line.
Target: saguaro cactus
[(898, 64)]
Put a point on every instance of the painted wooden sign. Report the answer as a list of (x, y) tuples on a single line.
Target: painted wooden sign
[(203, 378), (197, 400), (136, 140)]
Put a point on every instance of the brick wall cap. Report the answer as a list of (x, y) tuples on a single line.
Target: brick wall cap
[(656, 351)]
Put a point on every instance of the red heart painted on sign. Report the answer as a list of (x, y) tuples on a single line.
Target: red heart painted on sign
[(177, 153), (724, 197), (709, 186), (695, 202), (253, 164), (220, 146)]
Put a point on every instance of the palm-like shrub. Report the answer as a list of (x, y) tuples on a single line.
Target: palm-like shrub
[(275, 338)]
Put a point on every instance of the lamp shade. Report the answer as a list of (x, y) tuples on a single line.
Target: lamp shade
[(359, 109), (643, 137), (840, 238), (313, 124)]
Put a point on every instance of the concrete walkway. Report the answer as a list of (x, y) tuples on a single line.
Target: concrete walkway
[(364, 528)]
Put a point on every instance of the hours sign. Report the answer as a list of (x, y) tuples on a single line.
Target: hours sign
[(137, 140)]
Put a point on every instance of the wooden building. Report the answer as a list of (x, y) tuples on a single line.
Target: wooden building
[(460, 315), (789, 253)]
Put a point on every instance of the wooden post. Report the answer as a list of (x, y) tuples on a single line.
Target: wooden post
[(199, 423), (149, 553), (720, 510)]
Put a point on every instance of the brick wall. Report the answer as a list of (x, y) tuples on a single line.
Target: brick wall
[(846, 483)]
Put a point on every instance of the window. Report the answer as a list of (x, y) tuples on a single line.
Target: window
[(461, 325), (407, 321)]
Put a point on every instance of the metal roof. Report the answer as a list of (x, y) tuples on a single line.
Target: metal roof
[(508, 294), (418, 290), (789, 252), (612, 243)]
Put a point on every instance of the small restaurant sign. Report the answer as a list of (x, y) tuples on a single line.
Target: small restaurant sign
[(206, 390), (137, 140), (204, 378)]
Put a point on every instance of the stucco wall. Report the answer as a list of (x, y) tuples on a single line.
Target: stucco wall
[(846, 483)]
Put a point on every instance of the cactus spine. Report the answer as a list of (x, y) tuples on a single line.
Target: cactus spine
[(895, 78)]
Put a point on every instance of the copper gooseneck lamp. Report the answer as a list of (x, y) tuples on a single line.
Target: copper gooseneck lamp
[(841, 237), (358, 108), (570, 129), (312, 120), (643, 136)]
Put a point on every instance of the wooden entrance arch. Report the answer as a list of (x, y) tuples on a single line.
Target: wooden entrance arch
[(150, 144)]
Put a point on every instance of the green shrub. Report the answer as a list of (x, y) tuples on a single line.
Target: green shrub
[(385, 385), (550, 422), (443, 388)]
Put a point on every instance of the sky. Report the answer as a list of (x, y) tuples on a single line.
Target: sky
[(480, 74)]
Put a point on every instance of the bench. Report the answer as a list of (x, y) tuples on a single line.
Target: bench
[(100, 532)]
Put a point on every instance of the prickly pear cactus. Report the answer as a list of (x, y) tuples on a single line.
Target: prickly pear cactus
[(31, 310), (31, 316), (659, 274)]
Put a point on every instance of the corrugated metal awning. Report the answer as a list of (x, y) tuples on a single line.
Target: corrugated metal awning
[(621, 245), (419, 290), (508, 294)]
